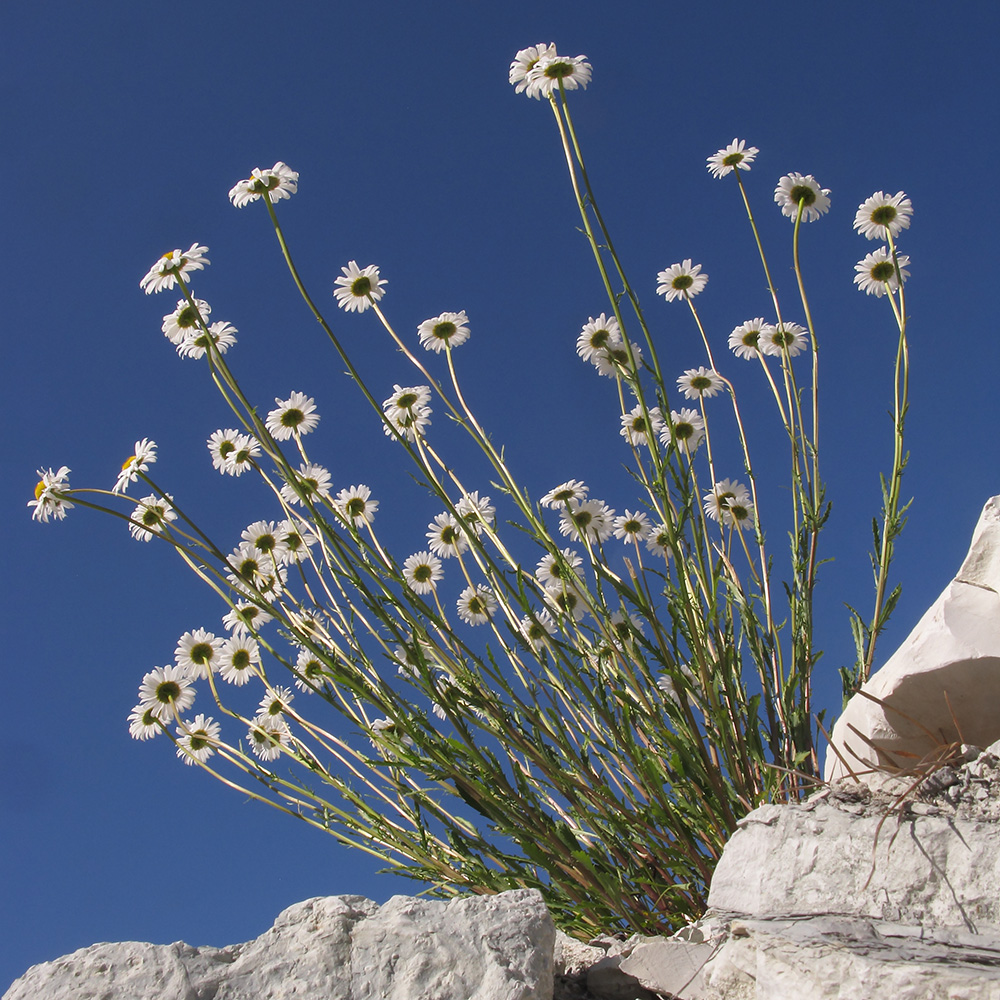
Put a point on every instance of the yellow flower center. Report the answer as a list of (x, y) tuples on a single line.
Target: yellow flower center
[(40, 489)]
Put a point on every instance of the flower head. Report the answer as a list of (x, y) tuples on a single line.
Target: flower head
[(729, 502), (794, 189), (736, 156), (166, 691), (552, 71), (173, 265), (788, 338), (590, 519), (564, 493), (143, 723), (196, 739), (358, 288), (658, 541), (552, 570), (276, 701), (266, 539), (475, 511), (422, 571), (681, 281), (47, 503), (444, 331), (197, 652), (195, 345), (632, 526), (185, 320), (744, 341), (640, 428), (616, 359), (280, 181), (238, 658), (267, 735), (445, 537), (356, 505), (688, 430), (881, 214), (140, 460), (536, 628), (876, 274), (407, 411), (296, 539), (244, 616), (293, 416), (700, 382), (311, 670), (313, 481), (525, 61), (596, 335), (476, 604), (150, 517)]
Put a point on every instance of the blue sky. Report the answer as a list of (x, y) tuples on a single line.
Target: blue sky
[(126, 125)]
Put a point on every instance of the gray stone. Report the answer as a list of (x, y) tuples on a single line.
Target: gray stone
[(331, 948), (943, 683)]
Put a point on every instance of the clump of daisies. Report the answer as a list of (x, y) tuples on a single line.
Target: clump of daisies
[(567, 685)]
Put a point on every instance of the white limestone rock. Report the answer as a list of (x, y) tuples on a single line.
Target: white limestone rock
[(955, 650), (331, 948)]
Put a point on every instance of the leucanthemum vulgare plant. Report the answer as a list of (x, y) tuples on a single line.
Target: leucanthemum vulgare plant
[(513, 703)]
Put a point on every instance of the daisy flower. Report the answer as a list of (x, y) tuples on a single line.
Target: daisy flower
[(407, 411), (744, 341), (245, 616), (421, 571), (636, 429), (166, 691), (881, 214), (195, 345), (613, 359), (536, 628), (312, 671), (688, 430), (736, 156), (729, 502), (658, 541), (525, 61), (591, 519), (296, 540), (550, 571), (596, 335), (565, 600), (550, 71), (249, 566), (632, 526), (572, 489), (876, 274), (238, 657), (313, 481), (46, 503), (793, 189), (173, 265), (445, 537), (266, 539), (221, 444), (185, 320), (266, 736), (696, 383), (293, 416), (354, 504), (358, 289), (197, 653), (142, 723), (140, 461), (476, 605), (276, 701), (196, 739), (242, 458), (788, 337), (150, 517), (476, 511), (447, 330), (280, 181), (681, 281)]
